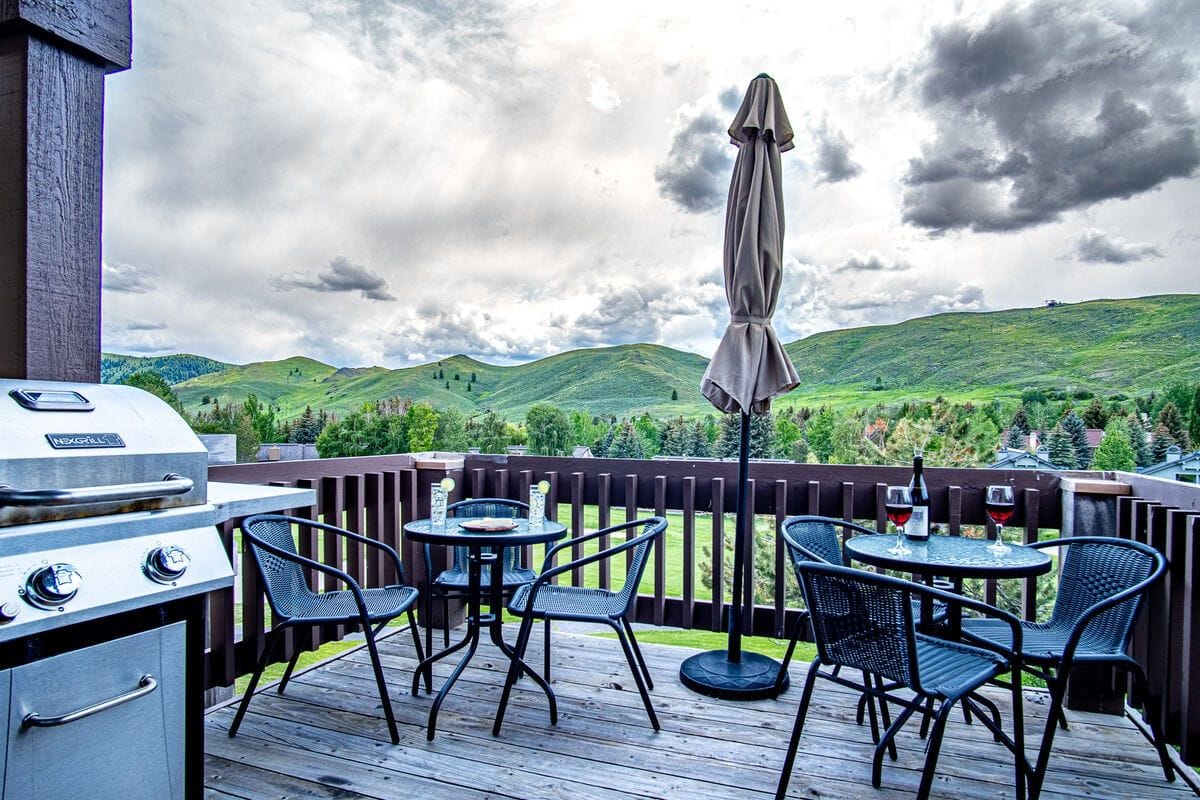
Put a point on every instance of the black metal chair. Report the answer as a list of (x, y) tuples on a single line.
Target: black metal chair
[(865, 622), (550, 601), (452, 583), (294, 604), (1101, 586), (813, 538)]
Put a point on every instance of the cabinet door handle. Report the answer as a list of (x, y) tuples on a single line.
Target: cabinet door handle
[(145, 686)]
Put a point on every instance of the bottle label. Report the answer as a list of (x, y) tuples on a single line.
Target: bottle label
[(918, 523)]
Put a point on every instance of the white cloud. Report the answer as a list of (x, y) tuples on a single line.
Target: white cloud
[(525, 177)]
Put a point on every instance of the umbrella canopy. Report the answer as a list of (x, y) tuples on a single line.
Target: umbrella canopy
[(750, 366)]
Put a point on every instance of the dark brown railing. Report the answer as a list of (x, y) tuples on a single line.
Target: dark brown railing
[(376, 495)]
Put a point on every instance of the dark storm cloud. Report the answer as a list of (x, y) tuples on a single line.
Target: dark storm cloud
[(833, 156), (339, 276), (871, 262), (127, 278), (1051, 107), (1097, 247), (695, 174)]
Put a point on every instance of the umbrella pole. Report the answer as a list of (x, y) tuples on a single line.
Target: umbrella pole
[(742, 531), (731, 674)]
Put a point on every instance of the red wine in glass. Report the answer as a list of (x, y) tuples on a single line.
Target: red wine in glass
[(998, 502), (897, 502), (1000, 513), (898, 514)]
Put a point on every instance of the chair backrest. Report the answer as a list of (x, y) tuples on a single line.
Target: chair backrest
[(861, 620), (283, 580), (498, 507), (652, 528), (813, 538), (1094, 569)]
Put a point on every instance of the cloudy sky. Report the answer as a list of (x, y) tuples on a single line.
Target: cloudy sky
[(388, 182)]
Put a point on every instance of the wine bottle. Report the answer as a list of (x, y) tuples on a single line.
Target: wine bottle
[(918, 524)]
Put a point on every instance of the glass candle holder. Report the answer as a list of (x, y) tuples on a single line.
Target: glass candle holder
[(437, 505), (537, 507)]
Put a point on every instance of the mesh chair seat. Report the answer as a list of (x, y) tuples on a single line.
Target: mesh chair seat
[(573, 601), (382, 604), (949, 669), (458, 579)]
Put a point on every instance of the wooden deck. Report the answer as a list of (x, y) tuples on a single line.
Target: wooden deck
[(326, 738)]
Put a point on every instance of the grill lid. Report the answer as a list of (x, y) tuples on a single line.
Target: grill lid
[(79, 450)]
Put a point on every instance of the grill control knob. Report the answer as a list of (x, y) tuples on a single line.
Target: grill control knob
[(9, 612), (167, 564), (52, 585)]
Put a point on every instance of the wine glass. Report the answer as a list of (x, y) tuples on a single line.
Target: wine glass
[(898, 505), (999, 504)]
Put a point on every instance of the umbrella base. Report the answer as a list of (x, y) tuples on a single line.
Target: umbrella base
[(752, 678)]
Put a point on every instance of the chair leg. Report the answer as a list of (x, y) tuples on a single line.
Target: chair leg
[(932, 749), (787, 659), (429, 618), (369, 635), (885, 716), (1140, 688), (1057, 688), (797, 728), (637, 651), (546, 650), (416, 634), (263, 660), (445, 620), (637, 676), (514, 671), (287, 673)]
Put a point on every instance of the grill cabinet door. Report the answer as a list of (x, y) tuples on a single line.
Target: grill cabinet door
[(130, 751)]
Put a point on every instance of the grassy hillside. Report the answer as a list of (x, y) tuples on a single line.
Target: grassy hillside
[(115, 368), (1101, 345), (1106, 346)]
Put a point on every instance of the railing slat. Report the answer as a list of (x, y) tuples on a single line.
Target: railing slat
[(577, 527), (1189, 745), (718, 554), (660, 552), (954, 497), (1033, 510), (781, 497), (689, 550), (604, 512)]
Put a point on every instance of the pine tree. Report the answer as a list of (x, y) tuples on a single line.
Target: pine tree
[(1138, 440), (1172, 420), (1061, 449), (627, 443), (1162, 440), (468, 387), (1075, 428), (728, 436), (698, 444), (674, 394), (762, 435), (1095, 415), (1016, 439), (1020, 422), (472, 377)]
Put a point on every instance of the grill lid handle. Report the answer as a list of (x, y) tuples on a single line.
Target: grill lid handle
[(171, 484)]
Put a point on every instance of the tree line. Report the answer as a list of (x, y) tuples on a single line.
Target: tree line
[(962, 434)]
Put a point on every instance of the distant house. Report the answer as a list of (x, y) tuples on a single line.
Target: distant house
[(1176, 466), (1012, 458), (582, 451), (1033, 442), (517, 449), (286, 451)]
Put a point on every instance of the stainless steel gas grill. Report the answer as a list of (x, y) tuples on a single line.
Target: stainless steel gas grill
[(107, 548)]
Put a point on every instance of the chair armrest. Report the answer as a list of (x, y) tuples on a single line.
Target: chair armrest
[(603, 555), (586, 538), (1014, 623), (342, 576)]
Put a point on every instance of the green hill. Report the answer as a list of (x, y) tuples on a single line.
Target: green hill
[(1105, 346), (1100, 345), (115, 368)]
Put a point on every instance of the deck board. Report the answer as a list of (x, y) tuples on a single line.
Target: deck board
[(327, 738)]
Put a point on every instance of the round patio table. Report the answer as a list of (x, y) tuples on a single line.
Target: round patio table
[(485, 550), (954, 557)]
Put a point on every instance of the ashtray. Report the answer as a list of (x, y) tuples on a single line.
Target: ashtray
[(487, 524)]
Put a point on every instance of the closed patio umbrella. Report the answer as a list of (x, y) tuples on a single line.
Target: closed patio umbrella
[(750, 366)]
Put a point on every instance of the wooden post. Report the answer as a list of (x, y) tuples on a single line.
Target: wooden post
[(54, 55)]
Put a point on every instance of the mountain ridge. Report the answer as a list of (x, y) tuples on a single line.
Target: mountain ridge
[(1104, 346)]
